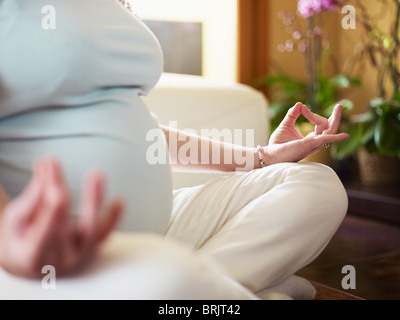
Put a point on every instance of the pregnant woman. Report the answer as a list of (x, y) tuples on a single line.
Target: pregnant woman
[(73, 91)]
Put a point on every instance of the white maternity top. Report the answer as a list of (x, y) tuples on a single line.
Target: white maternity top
[(71, 76)]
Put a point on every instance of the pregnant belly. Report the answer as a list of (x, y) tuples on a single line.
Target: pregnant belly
[(114, 142)]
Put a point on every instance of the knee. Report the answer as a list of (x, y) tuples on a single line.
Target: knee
[(327, 191), (314, 188)]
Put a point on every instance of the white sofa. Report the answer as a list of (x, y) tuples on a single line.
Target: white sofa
[(200, 104)]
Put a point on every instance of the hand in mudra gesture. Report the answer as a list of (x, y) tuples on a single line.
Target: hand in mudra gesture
[(37, 228), (288, 145)]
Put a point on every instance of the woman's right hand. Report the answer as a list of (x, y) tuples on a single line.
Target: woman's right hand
[(288, 145), (37, 228)]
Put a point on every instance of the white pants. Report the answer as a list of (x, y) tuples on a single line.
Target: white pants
[(265, 225), (227, 239)]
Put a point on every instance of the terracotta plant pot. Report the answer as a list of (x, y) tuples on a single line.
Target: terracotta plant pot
[(378, 170)]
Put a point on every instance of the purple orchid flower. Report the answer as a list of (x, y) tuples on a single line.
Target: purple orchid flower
[(307, 8)]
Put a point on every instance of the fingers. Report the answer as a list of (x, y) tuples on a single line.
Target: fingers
[(321, 123), (111, 217), (23, 208), (286, 144), (54, 171), (91, 205), (92, 227), (46, 176), (293, 114), (56, 198), (51, 225), (313, 143), (334, 120), (331, 138)]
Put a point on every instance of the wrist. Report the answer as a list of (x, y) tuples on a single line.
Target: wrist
[(260, 158)]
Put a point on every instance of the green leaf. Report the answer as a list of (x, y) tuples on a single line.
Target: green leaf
[(356, 82), (369, 132), (377, 102), (340, 81), (281, 80), (394, 105), (387, 135), (347, 106), (368, 117), (277, 109), (347, 148), (397, 95)]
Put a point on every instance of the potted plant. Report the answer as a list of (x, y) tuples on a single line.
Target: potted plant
[(375, 133), (320, 89)]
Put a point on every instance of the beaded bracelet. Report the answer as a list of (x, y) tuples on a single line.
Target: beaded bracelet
[(260, 157)]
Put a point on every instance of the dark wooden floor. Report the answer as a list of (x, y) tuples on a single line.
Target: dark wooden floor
[(373, 248)]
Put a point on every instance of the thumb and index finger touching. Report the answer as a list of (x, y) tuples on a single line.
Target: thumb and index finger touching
[(300, 109), (322, 125), (293, 114)]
